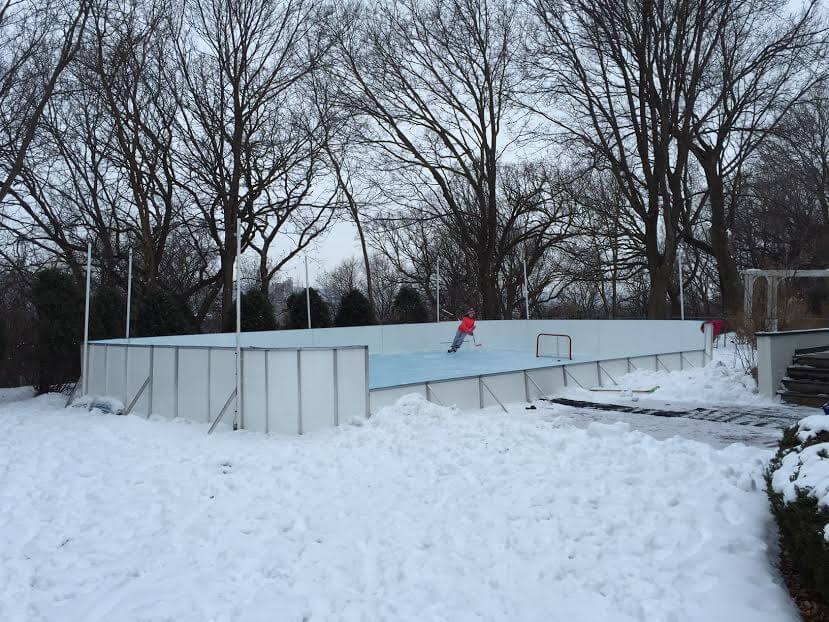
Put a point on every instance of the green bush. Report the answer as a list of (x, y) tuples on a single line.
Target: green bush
[(58, 305), (160, 313), (107, 313), (2, 337), (408, 307), (801, 522), (257, 312), (355, 310), (298, 314)]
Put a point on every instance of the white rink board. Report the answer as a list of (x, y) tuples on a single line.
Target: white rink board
[(284, 391)]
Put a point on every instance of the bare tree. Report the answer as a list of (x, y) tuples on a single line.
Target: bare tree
[(435, 82), (761, 66), (620, 70), (38, 42), (249, 143)]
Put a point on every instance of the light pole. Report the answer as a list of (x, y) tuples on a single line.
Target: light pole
[(307, 292), (681, 289), (437, 286), (129, 294), (85, 362)]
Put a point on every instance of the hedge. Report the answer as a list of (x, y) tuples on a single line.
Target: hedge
[(802, 520)]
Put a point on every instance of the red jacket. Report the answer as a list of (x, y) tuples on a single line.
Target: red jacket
[(719, 326), (467, 325)]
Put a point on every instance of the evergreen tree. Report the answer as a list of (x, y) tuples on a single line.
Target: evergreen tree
[(257, 312), (298, 315), (159, 313), (3, 338), (408, 307), (355, 310), (58, 308), (107, 313)]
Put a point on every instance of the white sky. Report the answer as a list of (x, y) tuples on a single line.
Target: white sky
[(340, 242)]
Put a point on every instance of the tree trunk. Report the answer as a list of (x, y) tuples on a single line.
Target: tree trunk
[(364, 248), (726, 266), (228, 259)]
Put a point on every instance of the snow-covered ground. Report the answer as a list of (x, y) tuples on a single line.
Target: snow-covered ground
[(421, 513)]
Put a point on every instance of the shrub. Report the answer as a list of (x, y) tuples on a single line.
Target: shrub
[(2, 337), (59, 318), (297, 310), (355, 310), (257, 312), (803, 521), (160, 312), (408, 307), (107, 313)]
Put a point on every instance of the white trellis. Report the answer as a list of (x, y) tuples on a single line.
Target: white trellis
[(773, 280)]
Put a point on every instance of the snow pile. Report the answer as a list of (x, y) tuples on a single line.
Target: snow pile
[(421, 513), (715, 383)]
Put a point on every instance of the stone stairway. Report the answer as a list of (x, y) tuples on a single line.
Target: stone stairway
[(807, 379)]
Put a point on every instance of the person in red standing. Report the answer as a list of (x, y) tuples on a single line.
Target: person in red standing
[(467, 327)]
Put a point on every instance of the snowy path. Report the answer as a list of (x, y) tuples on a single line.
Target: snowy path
[(423, 513)]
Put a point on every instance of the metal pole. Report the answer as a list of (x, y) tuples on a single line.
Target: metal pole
[(238, 320), (127, 331), (437, 286), (307, 292), (526, 289), (85, 362), (129, 294), (681, 290)]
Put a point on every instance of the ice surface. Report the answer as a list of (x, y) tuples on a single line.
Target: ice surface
[(388, 370), (421, 513)]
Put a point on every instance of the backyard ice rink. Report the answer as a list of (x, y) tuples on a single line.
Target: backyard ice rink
[(420, 513)]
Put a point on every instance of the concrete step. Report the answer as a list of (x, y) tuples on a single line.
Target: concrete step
[(812, 387), (807, 372), (813, 359), (804, 399)]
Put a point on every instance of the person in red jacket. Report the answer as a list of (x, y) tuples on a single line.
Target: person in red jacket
[(467, 327)]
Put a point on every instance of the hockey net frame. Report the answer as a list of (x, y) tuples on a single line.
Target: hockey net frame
[(557, 335)]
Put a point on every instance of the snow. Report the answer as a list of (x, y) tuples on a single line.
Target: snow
[(806, 470), (14, 394), (420, 513), (723, 382), (809, 427)]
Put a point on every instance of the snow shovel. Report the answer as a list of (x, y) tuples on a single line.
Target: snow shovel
[(617, 390)]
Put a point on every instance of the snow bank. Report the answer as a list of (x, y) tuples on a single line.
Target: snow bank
[(722, 382), (421, 513), (714, 384)]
